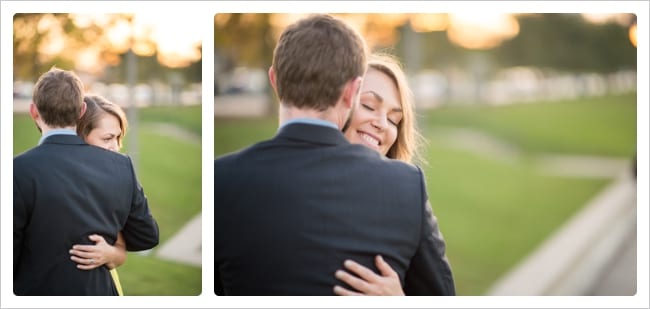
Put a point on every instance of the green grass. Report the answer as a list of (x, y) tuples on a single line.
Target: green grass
[(493, 213), (233, 134), (187, 117), (604, 126), (169, 170), (171, 179), (155, 275)]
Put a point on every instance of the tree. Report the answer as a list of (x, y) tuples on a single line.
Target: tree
[(568, 42)]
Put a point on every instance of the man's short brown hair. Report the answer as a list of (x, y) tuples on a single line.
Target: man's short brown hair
[(58, 96), (314, 59)]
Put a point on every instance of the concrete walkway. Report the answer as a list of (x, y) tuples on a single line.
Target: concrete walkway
[(175, 131), (241, 106), (185, 246)]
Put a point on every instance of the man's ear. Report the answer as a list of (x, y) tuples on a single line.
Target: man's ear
[(351, 91), (272, 79), (83, 110), (33, 112)]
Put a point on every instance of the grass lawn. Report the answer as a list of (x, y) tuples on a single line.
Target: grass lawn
[(492, 213), (602, 126), (169, 169)]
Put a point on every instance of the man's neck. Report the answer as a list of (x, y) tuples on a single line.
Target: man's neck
[(45, 129), (287, 113)]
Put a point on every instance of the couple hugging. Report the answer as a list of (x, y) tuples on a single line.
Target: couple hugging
[(332, 205), (78, 205)]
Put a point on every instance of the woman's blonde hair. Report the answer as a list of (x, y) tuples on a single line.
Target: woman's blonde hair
[(406, 146)]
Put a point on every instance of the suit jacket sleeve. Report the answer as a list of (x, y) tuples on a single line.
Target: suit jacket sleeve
[(20, 220), (218, 286), (429, 272), (141, 229)]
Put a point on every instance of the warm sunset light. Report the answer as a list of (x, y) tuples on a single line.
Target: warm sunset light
[(429, 22), (472, 31), (375, 28), (481, 30), (632, 34), (176, 42), (602, 18)]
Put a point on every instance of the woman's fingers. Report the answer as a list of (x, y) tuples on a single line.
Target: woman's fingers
[(366, 282), (361, 271), (85, 263), (341, 291), (97, 238), (354, 282), (83, 248), (86, 254), (384, 268), (86, 259)]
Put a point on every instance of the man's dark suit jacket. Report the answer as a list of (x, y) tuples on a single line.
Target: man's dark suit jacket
[(290, 210), (64, 191)]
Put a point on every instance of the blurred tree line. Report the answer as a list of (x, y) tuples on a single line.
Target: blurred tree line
[(559, 41), (34, 33), (568, 42)]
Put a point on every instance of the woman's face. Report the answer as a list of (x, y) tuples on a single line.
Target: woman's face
[(106, 133), (374, 122)]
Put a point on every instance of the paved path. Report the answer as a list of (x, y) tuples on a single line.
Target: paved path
[(619, 274), (184, 246), (174, 131), (249, 105), (488, 146)]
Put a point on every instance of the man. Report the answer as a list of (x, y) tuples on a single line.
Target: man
[(66, 190), (290, 210)]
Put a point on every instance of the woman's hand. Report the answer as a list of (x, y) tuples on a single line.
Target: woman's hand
[(90, 257), (367, 282)]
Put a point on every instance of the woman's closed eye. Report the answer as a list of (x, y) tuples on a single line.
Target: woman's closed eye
[(368, 107)]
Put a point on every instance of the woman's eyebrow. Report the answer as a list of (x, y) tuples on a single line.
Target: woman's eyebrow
[(381, 99), (376, 95)]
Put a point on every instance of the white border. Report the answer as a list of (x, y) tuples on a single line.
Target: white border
[(205, 10)]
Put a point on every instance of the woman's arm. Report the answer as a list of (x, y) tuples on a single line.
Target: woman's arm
[(92, 256), (367, 282)]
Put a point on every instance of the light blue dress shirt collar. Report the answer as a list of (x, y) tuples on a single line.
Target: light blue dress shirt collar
[(56, 132), (314, 121)]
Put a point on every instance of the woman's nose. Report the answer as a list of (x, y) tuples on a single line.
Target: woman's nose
[(380, 122), (112, 146)]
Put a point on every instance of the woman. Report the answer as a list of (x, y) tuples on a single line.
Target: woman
[(383, 121), (104, 125)]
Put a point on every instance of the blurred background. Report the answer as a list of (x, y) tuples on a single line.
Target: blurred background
[(151, 66), (531, 127)]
